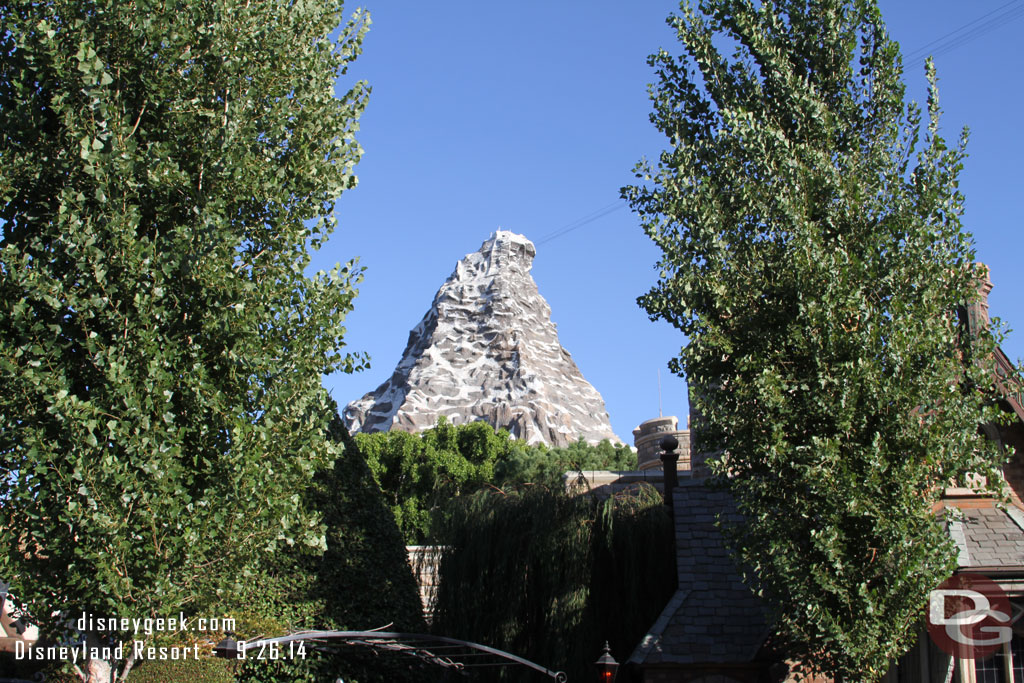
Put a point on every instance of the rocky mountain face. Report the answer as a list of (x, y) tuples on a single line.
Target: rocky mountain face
[(487, 350)]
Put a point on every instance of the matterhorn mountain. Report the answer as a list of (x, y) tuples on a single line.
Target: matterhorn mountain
[(487, 350)]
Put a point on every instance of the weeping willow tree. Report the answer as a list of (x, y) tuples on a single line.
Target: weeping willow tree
[(550, 577)]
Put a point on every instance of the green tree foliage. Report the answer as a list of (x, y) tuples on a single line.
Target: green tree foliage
[(573, 572), (361, 582), (164, 169), (420, 474), (814, 257), (548, 465)]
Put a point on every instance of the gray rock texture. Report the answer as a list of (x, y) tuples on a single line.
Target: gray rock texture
[(487, 350)]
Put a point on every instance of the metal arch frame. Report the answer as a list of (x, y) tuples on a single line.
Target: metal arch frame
[(394, 640)]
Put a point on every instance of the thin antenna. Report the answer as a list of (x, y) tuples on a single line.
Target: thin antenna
[(659, 393)]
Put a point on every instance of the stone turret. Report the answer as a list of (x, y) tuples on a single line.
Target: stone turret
[(648, 436)]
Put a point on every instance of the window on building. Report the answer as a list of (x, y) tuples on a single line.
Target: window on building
[(991, 669)]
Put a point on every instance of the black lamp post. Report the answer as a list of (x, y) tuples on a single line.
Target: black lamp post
[(669, 461), (606, 665)]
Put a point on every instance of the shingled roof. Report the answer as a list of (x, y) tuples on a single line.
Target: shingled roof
[(990, 537), (713, 617)]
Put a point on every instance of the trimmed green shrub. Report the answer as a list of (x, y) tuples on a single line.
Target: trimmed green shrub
[(191, 670), (363, 581)]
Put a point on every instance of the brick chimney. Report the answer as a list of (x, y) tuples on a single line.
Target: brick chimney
[(977, 310)]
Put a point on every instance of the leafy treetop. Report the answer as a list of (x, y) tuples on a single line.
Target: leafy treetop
[(164, 169), (814, 258)]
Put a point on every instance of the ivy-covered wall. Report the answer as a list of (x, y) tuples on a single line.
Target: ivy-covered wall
[(550, 577)]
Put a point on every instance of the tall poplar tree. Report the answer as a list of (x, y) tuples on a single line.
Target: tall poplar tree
[(165, 168), (813, 256)]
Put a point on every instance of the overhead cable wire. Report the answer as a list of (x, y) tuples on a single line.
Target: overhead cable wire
[(948, 42), (580, 222), (966, 33), (938, 43)]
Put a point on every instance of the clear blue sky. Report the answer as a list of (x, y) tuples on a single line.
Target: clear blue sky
[(531, 115)]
